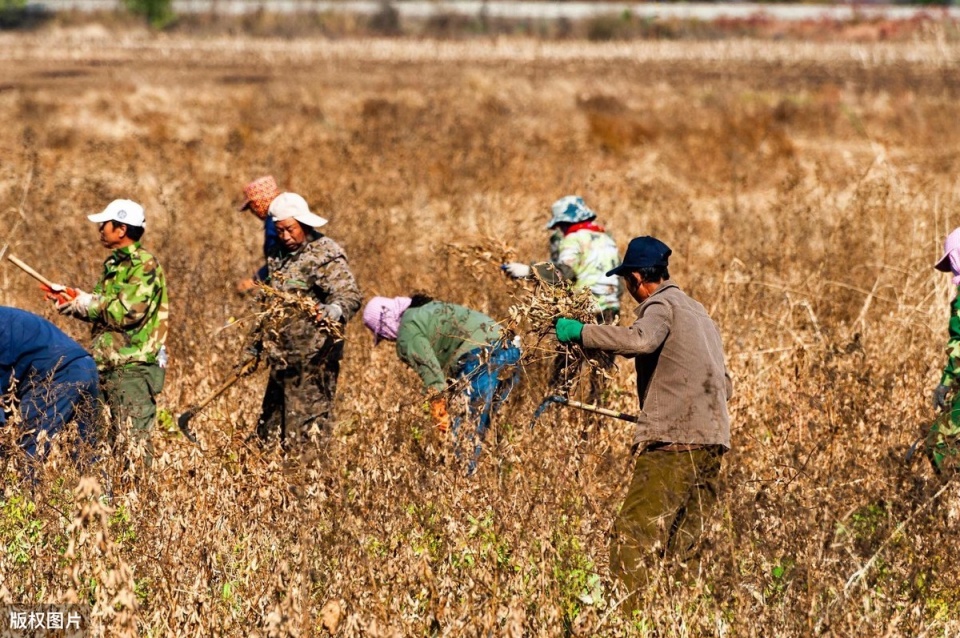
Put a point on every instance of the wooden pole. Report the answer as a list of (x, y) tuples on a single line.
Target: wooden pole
[(33, 273)]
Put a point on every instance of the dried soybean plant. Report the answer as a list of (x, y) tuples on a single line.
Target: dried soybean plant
[(546, 298), (279, 307), (539, 302), (482, 252)]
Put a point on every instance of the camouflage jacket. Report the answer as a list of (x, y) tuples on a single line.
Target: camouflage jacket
[(951, 372), (129, 309), (318, 271)]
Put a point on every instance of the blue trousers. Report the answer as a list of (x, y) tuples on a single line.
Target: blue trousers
[(490, 372), (46, 405)]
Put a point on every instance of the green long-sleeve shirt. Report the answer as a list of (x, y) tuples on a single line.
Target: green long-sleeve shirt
[(951, 372), (129, 309), (434, 336)]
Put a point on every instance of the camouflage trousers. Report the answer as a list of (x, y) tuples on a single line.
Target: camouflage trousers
[(131, 394), (942, 445), (664, 513), (298, 403)]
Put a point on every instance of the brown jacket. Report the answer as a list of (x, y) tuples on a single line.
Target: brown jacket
[(682, 382)]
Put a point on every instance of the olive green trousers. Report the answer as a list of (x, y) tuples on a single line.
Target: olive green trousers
[(131, 393), (664, 513)]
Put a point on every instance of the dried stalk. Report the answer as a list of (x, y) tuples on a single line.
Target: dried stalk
[(536, 315), (277, 307)]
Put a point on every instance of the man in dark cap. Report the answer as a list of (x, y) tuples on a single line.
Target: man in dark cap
[(684, 428)]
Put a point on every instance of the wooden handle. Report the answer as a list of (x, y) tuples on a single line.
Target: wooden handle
[(244, 370), (33, 273), (604, 411)]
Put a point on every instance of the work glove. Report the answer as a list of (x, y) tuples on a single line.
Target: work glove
[(568, 330), (517, 270), (332, 311), (58, 293), (79, 306), (940, 395), (441, 418)]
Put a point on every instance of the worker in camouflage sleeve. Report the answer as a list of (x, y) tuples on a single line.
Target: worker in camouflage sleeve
[(581, 253), (943, 439), (304, 360), (128, 312)]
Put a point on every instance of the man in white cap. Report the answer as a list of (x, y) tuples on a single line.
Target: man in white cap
[(128, 314), (304, 359)]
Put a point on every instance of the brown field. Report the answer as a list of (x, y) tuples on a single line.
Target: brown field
[(805, 189)]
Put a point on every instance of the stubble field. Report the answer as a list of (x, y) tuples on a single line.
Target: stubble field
[(805, 190)]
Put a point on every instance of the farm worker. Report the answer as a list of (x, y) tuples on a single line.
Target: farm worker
[(683, 388), (441, 340), (581, 253), (128, 314), (50, 377), (304, 360), (258, 195), (943, 439)]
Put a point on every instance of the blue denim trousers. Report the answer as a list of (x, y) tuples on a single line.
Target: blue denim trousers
[(489, 374)]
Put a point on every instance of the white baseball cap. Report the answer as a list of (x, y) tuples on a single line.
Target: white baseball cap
[(124, 211), (291, 205)]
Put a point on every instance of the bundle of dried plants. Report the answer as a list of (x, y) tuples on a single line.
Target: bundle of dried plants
[(546, 298)]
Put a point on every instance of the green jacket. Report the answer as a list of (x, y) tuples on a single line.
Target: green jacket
[(951, 372), (129, 309), (432, 338)]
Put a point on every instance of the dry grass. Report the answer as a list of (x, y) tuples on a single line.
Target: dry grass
[(805, 191)]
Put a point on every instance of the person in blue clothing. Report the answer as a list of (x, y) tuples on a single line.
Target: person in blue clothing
[(46, 377), (258, 195)]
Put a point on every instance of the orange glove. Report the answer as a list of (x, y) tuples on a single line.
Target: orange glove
[(441, 418), (59, 294)]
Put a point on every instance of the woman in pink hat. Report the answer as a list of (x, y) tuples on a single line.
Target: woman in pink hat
[(441, 341), (943, 440)]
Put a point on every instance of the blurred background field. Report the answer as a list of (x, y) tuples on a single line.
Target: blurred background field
[(805, 189)]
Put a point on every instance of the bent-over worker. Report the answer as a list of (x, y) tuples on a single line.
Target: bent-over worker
[(52, 379), (441, 340)]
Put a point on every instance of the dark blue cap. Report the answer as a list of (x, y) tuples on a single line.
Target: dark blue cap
[(643, 252)]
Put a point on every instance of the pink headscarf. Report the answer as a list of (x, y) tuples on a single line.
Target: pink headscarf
[(950, 262), (382, 316)]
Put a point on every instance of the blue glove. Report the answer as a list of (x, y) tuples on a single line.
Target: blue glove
[(568, 330)]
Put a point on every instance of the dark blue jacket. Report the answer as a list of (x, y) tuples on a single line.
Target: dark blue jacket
[(32, 349), (270, 241)]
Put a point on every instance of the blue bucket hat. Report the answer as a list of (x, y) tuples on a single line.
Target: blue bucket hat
[(569, 210), (642, 252)]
